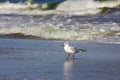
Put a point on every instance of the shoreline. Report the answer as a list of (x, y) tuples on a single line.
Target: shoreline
[(36, 38)]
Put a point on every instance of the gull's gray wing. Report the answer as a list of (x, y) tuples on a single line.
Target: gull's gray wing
[(74, 48)]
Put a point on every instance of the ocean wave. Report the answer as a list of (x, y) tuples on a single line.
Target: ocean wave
[(51, 32), (26, 20), (64, 33), (78, 7), (65, 27), (83, 7)]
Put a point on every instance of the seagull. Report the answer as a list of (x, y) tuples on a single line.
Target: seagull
[(71, 50)]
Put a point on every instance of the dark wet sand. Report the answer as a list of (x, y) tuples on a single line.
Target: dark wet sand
[(22, 59)]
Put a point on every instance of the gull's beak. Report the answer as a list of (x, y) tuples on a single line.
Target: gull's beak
[(62, 45)]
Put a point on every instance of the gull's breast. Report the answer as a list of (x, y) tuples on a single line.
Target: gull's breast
[(69, 50)]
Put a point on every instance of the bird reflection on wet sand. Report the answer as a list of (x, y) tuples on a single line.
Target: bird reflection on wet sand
[(69, 69)]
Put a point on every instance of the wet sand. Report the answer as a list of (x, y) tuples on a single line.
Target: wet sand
[(27, 59)]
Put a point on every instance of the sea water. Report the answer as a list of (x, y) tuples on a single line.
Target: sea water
[(90, 20)]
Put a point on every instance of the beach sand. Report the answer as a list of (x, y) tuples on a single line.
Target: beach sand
[(29, 59)]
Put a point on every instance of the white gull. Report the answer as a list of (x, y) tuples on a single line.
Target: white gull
[(70, 50)]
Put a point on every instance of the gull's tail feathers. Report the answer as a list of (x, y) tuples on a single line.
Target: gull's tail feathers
[(82, 50)]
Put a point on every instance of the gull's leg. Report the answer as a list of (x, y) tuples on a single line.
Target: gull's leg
[(73, 56), (68, 57)]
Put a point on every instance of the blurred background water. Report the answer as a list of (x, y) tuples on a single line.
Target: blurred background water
[(96, 20)]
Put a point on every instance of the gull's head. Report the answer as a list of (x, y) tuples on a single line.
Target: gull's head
[(66, 43)]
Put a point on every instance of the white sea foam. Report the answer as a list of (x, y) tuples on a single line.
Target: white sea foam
[(51, 33), (83, 7), (63, 29), (64, 33)]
